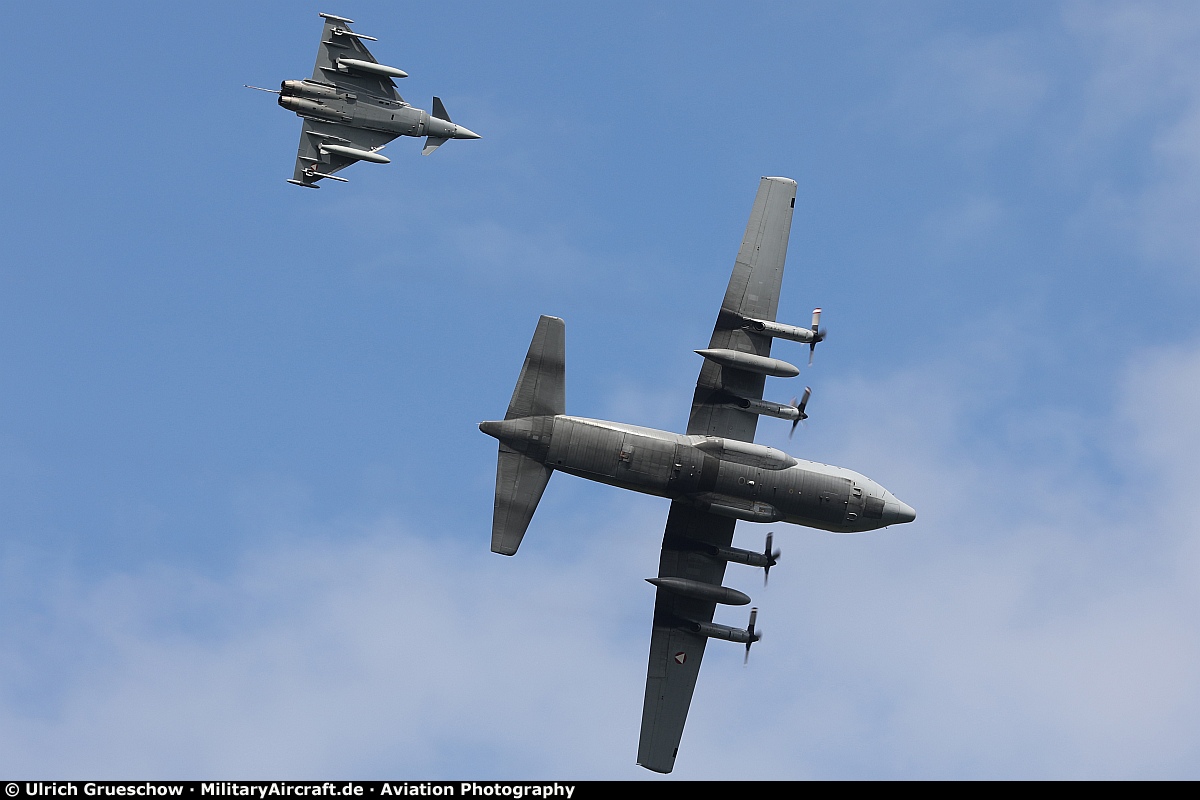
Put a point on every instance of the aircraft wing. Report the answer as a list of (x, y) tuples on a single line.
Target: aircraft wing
[(312, 164), (753, 293), (338, 41), (676, 652)]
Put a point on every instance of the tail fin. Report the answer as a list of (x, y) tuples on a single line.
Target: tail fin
[(439, 110), (540, 392), (541, 389), (434, 142)]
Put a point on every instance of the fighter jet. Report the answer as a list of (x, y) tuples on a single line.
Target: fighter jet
[(714, 474), (351, 108)]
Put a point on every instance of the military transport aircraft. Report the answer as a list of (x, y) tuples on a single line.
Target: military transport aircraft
[(714, 475), (351, 108)]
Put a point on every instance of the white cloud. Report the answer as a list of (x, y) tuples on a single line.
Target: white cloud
[(1028, 625), (1142, 103), (383, 655)]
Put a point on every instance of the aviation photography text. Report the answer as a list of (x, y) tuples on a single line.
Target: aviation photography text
[(265, 789)]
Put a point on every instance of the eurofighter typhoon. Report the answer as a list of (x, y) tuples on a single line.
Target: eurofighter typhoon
[(351, 108), (714, 474)]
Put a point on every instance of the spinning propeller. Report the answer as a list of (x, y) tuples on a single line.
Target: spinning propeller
[(818, 335), (800, 408), (772, 556), (754, 637)]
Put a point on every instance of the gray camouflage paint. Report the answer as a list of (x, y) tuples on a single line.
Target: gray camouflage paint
[(714, 474), (351, 109), (754, 483)]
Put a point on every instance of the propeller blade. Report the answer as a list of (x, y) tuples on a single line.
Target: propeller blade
[(800, 416), (771, 555), (804, 402), (753, 637), (818, 335)]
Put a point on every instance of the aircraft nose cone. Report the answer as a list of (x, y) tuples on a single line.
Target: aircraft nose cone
[(465, 133), (490, 428), (896, 512)]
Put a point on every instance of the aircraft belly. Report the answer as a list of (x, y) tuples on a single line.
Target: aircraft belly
[(389, 120), (589, 450), (646, 462), (824, 497), (640, 463)]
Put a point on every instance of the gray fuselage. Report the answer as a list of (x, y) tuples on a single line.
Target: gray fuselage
[(366, 111), (735, 479)]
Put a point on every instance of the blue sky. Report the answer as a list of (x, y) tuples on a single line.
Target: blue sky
[(245, 509)]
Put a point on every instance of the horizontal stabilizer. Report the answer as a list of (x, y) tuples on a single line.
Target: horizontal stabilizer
[(541, 388), (432, 143), (520, 482)]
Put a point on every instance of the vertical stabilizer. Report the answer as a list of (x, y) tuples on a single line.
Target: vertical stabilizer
[(541, 389)]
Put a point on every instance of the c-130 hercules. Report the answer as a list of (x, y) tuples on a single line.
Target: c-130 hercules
[(351, 108), (714, 475)]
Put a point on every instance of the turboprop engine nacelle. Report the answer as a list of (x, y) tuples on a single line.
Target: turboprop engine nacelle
[(766, 408), (715, 631), (778, 330)]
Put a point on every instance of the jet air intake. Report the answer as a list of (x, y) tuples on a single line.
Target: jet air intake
[(751, 363), (313, 108), (307, 89)]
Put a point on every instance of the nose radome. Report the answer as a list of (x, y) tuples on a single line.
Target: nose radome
[(464, 133), (896, 512)]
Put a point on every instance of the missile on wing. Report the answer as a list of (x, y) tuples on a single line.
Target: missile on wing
[(371, 67), (355, 153)]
